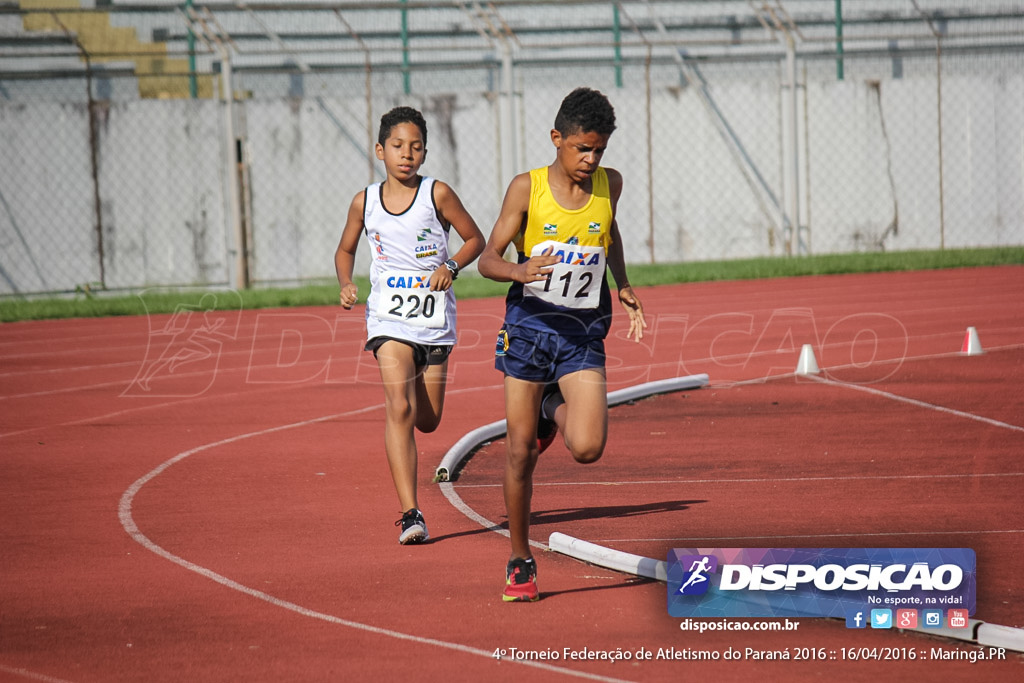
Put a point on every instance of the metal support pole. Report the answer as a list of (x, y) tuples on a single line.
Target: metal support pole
[(938, 94), (94, 167), (942, 180), (406, 81), (237, 271), (617, 33), (193, 89), (839, 40), (508, 143), (651, 251), (793, 149)]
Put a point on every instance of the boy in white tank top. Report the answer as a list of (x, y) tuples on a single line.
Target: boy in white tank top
[(410, 312)]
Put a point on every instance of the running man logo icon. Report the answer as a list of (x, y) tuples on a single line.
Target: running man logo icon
[(184, 349), (699, 567)]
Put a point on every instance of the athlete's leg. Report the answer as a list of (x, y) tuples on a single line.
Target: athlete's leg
[(430, 387), (583, 418), (522, 402), (398, 374)]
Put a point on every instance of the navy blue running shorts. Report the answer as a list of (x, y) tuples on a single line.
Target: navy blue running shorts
[(422, 354), (536, 356)]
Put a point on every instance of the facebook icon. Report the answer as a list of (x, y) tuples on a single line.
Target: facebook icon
[(856, 619)]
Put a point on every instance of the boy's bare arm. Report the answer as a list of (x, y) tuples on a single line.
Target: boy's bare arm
[(510, 221), (617, 265), (345, 255), (617, 257), (629, 300), (616, 254), (454, 212)]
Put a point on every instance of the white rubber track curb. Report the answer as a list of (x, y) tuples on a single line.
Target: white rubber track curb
[(458, 454)]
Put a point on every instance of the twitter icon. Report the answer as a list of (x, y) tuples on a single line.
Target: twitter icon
[(881, 618)]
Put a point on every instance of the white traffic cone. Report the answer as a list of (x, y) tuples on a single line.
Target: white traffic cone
[(972, 345), (807, 365)]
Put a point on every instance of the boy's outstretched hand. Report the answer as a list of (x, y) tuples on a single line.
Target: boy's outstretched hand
[(635, 309)]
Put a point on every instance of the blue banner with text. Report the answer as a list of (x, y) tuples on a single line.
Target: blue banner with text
[(819, 582)]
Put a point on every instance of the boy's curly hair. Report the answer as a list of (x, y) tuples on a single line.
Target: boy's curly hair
[(401, 115), (584, 111)]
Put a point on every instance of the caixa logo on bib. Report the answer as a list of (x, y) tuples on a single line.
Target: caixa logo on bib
[(823, 582)]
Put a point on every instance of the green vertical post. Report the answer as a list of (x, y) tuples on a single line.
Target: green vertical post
[(839, 40), (193, 89), (617, 32), (406, 84)]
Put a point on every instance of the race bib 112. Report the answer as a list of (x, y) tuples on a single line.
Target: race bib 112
[(575, 281)]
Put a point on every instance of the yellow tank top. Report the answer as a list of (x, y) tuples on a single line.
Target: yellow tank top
[(588, 226)]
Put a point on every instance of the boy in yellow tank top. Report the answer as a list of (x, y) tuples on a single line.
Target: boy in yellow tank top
[(561, 219)]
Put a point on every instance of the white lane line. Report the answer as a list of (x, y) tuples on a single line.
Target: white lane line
[(157, 406), (807, 536), (128, 523), (127, 383), (919, 404), (757, 480), (31, 675), (448, 489)]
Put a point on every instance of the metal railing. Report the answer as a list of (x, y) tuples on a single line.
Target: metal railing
[(220, 144)]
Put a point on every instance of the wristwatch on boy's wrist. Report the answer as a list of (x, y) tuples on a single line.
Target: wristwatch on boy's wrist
[(453, 266)]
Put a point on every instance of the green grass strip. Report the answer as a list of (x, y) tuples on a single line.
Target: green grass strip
[(91, 303)]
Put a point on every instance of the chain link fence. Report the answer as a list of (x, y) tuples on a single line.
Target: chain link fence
[(157, 144)]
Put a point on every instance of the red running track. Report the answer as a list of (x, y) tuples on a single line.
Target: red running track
[(205, 497)]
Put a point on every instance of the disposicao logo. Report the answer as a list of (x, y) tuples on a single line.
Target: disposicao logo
[(780, 582), (696, 580)]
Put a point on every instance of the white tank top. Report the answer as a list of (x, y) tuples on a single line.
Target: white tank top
[(405, 250)]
